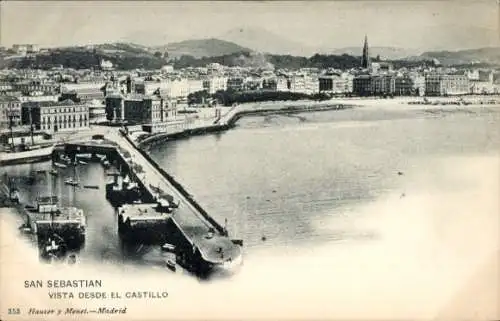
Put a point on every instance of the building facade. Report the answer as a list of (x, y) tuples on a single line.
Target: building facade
[(444, 85), (332, 84), (403, 86), (362, 85), (10, 112), (140, 109), (36, 87), (382, 85), (54, 117), (235, 83), (304, 83), (114, 107)]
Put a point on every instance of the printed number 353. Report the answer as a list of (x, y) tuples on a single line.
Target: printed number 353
[(14, 311)]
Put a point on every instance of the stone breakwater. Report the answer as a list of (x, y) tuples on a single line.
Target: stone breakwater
[(288, 109)]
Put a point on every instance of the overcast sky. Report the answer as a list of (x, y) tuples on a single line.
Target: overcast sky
[(407, 24)]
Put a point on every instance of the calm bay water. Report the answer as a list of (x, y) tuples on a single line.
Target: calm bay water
[(290, 182), (277, 179)]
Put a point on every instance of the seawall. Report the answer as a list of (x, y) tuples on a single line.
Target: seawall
[(231, 122), (179, 188)]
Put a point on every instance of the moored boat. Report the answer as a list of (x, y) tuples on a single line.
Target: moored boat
[(85, 156), (60, 165), (168, 247), (71, 181)]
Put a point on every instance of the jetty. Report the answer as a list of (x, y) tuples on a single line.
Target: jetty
[(202, 244)]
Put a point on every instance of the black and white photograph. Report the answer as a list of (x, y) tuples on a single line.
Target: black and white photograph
[(250, 160)]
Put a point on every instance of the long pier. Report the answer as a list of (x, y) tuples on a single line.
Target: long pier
[(202, 235)]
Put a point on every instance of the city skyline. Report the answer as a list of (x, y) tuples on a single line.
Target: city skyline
[(316, 26)]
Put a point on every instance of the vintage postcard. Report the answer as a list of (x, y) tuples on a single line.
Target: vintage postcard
[(234, 160)]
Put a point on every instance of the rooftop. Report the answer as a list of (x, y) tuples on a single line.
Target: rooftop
[(142, 212), (67, 102), (63, 215)]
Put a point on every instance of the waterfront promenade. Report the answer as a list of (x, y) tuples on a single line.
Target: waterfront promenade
[(193, 224)]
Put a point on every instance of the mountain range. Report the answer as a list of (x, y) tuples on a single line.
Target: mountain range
[(216, 47), (252, 46), (260, 40), (490, 55), (201, 48)]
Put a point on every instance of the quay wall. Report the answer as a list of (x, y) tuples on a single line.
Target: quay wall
[(113, 154)]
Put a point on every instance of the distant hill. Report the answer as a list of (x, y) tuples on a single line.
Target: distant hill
[(195, 53), (489, 55), (123, 47), (122, 55), (201, 48), (262, 40), (386, 53)]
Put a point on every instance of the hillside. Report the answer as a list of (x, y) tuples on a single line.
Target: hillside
[(489, 55), (122, 55), (267, 61), (201, 48)]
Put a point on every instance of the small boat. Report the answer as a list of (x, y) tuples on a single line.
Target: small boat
[(60, 165), (41, 171), (82, 162), (84, 156), (54, 172), (25, 229), (71, 259), (91, 186), (71, 181), (170, 265), (168, 247)]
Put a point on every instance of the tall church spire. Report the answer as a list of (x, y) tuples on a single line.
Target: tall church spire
[(365, 62)]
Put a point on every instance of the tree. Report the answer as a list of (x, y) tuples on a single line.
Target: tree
[(198, 97), (158, 54)]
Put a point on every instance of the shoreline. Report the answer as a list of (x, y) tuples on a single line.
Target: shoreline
[(230, 118)]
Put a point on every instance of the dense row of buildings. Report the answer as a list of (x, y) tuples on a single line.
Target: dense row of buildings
[(67, 99)]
